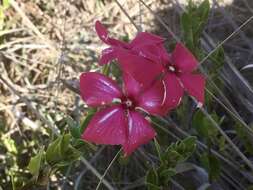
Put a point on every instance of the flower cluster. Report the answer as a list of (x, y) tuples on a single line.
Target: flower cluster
[(154, 82)]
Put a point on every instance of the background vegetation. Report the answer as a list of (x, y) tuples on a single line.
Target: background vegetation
[(45, 45)]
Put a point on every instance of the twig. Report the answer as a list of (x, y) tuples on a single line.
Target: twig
[(77, 182), (30, 24), (236, 149), (29, 105), (236, 115), (107, 169), (127, 15), (54, 129), (95, 172), (161, 21), (198, 142), (224, 41)]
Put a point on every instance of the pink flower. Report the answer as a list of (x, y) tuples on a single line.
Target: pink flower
[(144, 44), (176, 74), (120, 121)]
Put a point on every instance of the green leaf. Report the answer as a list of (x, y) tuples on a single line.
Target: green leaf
[(222, 143), (72, 154), (190, 144), (74, 128), (203, 10), (35, 163), (13, 181), (152, 179), (215, 168), (153, 187), (186, 25), (168, 173), (203, 126), (158, 149), (123, 160), (87, 119), (179, 151), (106, 69), (125, 38), (61, 151), (10, 145), (212, 164), (57, 150), (64, 145), (193, 21), (53, 153), (115, 70), (218, 60), (246, 139), (6, 4), (165, 175)]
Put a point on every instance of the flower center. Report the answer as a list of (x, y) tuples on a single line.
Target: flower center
[(128, 103), (172, 68)]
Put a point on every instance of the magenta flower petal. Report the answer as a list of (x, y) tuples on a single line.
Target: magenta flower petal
[(155, 53), (108, 126), (141, 69), (102, 32), (108, 55), (149, 46), (104, 36), (165, 57), (145, 38), (139, 132), (151, 52), (130, 85), (194, 84), (152, 99), (183, 59), (174, 91), (97, 89)]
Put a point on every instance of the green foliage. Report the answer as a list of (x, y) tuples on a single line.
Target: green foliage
[(179, 151), (217, 58), (61, 152), (35, 163), (193, 21), (115, 70), (87, 119), (183, 110), (159, 177), (203, 126), (212, 164), (211, 135), (10, 145), (152, 179), (74, 128), (4, 5), (106, 69), (244, 137), (206, 130)]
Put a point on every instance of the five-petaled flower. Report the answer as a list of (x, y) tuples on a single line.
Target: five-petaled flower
[(177, 74), (153, 82), (119, 121), (144, 44)]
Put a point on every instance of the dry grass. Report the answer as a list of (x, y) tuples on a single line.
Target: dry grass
[(45, 42)]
